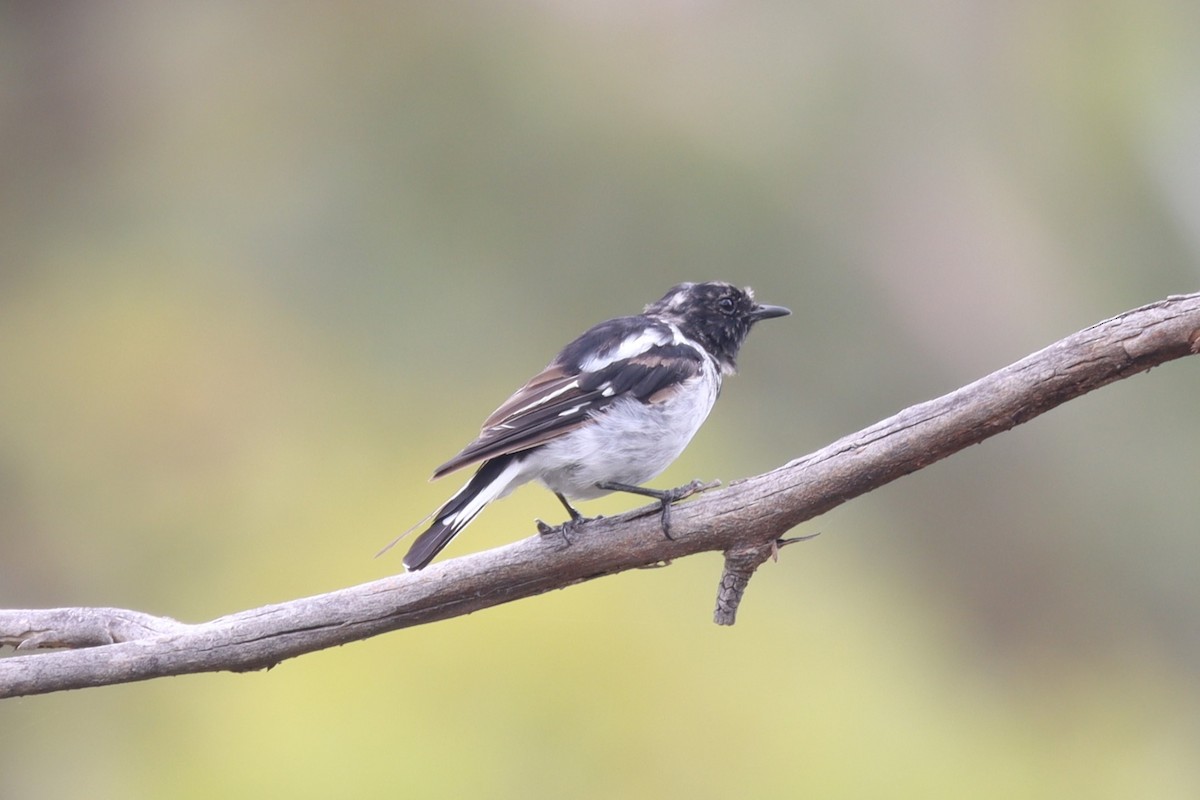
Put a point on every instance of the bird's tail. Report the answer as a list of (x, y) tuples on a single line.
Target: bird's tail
[(488, 483)]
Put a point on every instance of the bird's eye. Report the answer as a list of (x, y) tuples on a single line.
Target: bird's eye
[(727, 305)]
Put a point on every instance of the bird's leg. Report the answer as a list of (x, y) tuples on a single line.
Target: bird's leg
[(567, 527), (575, 515), (664, 496)]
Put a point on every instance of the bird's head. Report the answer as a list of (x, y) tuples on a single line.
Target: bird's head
[(716, 314)]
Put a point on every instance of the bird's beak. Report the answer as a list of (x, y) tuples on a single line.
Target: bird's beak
[(768, 312)]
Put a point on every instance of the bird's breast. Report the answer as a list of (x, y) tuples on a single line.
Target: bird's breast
[(629, 442)]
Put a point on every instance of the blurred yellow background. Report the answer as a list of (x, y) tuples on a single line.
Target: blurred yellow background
[(263, 266)]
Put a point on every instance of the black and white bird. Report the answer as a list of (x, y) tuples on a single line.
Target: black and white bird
[(610, 412)]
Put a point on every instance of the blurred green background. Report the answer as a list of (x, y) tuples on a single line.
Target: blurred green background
[(263, 266)]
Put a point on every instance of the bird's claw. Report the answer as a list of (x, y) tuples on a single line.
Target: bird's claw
[(672, 496), (566, 529)]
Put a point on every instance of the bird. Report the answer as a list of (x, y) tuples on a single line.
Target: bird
[(613, 410)]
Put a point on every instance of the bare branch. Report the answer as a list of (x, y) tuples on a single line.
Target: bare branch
[(743, 521)]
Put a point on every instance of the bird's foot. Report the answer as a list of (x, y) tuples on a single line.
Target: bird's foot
[(672, 496), (566, 530), (695, 487), (665, 497)]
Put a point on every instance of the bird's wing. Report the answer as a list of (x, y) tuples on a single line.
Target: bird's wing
[(648, 365)]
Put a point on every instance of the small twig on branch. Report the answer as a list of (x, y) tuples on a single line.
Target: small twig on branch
[(740, 563), (744, 520)]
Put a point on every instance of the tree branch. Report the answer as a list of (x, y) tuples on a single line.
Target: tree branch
[(745, 521)]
